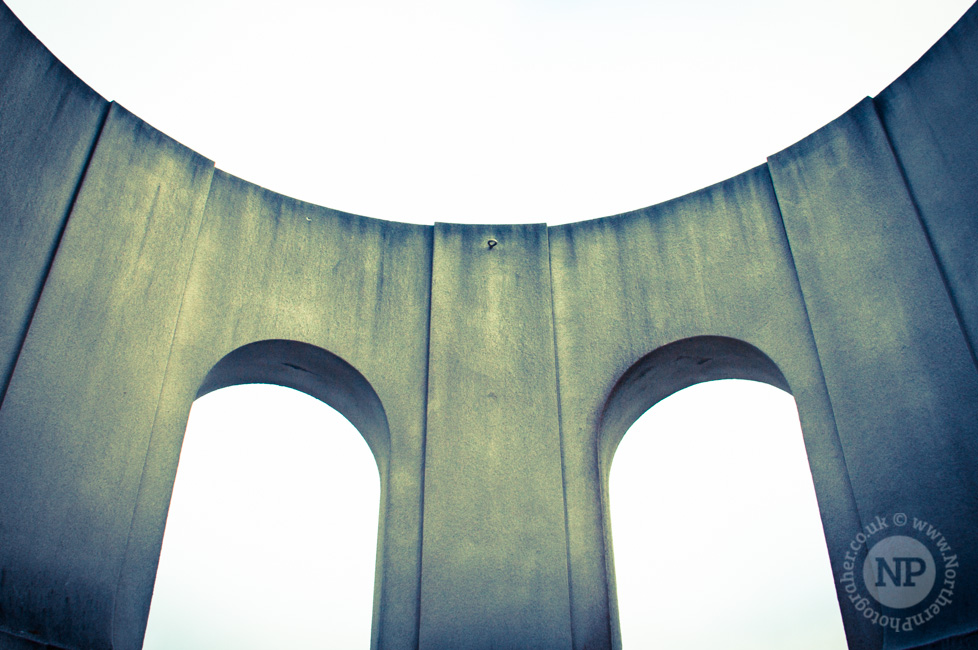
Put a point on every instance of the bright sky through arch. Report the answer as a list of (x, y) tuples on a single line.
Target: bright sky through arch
[(505, 111), (717, 537), (272, 534)]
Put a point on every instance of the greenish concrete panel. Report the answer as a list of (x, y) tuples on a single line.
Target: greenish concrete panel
[(271, 268), (49, 121), (714, 263), (930, 117), (495, 553), (902, 383), (79, 409)]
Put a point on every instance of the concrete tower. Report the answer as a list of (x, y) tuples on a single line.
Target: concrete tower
[(492, 369)]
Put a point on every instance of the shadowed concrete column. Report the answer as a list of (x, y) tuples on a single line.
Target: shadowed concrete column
[(494, 558), (902, 383), (936, 145), (75, 423), (49, 121)]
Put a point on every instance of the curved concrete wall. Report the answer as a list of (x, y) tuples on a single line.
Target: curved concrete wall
[(503, 362)]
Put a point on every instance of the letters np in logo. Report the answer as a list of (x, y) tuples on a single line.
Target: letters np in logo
[(899, 572)]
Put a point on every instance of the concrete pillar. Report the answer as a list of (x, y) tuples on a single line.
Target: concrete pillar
[(80, 406), (936, 145), (47, 136), (494, 559), (902, 383)]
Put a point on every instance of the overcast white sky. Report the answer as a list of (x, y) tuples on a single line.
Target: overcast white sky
[(506, 111)]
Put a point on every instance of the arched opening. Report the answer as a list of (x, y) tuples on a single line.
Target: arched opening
[(272, 534), (710, 502), (718, 541)]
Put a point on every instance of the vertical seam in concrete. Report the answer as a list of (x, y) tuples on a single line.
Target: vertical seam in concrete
[(156, 414), (858, 625), (811, 332), (424, 438), (82, 177), (927, 235), (560, 435)]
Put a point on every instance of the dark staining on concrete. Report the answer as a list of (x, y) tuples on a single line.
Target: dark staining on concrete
[(491, 369)]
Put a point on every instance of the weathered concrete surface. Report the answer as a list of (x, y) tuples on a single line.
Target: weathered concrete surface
[(171, 280), (77, 415), (8, 642), (903, 386), (270, 268), (936, 144), (714, 263), (49, 120), (494, 573)]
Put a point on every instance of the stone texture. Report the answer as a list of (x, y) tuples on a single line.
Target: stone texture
[(80, 406), (495, 557), (902, 383), (936, 146), (49, 121)]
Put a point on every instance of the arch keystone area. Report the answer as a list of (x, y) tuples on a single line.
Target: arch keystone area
[(131, 267)]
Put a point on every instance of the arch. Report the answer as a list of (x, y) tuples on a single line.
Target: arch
[(332, 380), (655, 376), (272, 527), (720, 471), (671, 368), (316, 372)]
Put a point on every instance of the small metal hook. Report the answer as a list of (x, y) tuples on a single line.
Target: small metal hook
[(492, 242)]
